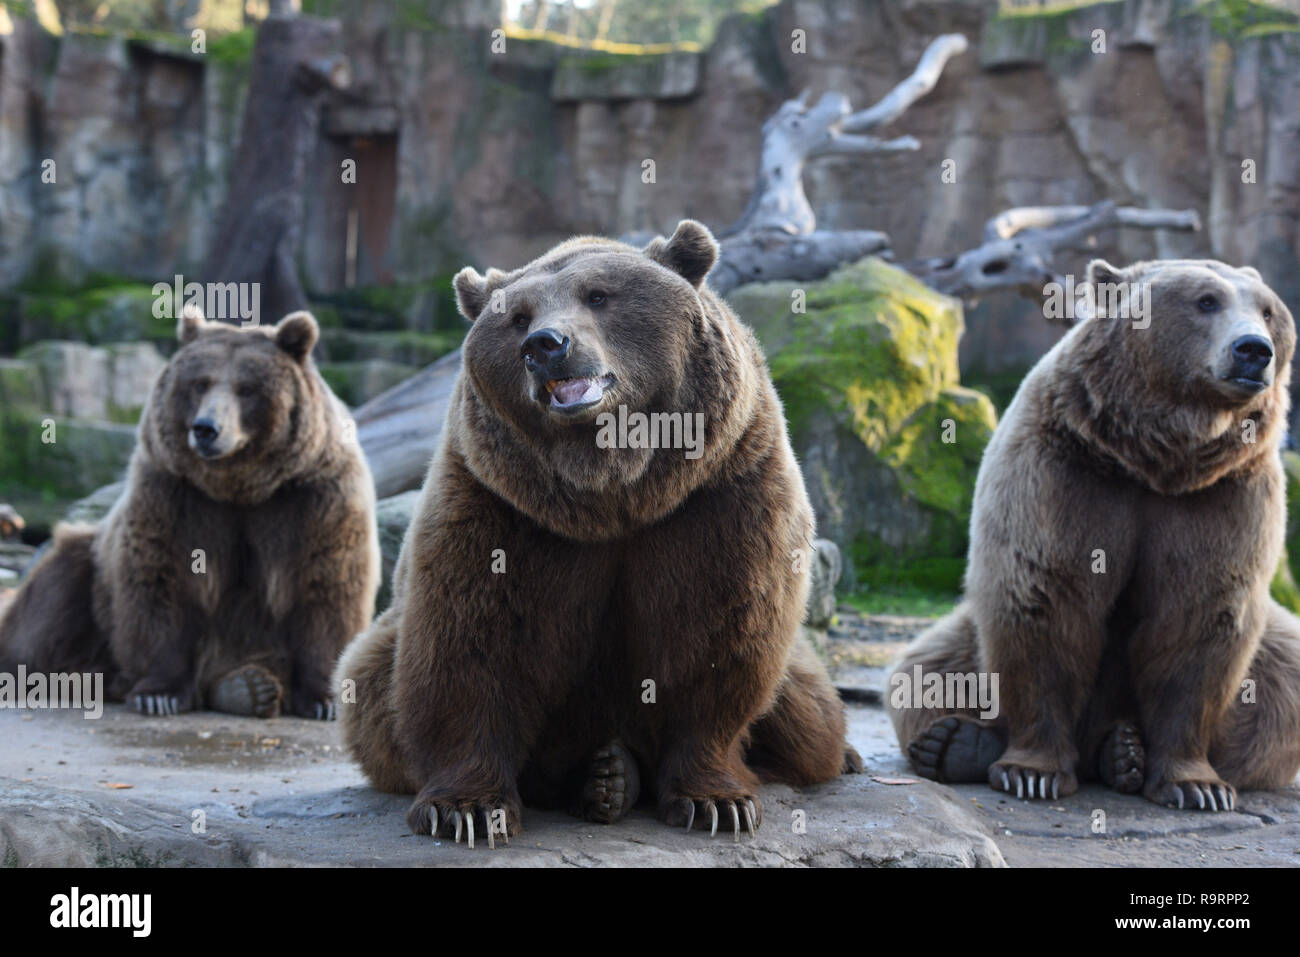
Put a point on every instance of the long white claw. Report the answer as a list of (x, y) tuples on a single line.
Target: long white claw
[(749, 821), (433, 818), (492, 843), (1056, 787), (690, 818), (735, 821), (1200, 797), (458, 823), (1006, 782), (1042, 787), (1180, 798), (1020, 785), (713, 819), (469, 828), (753, 810)]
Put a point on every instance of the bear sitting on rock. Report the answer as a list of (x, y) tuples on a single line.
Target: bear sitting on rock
[(605, 575), (243, 554), (1128, 518)]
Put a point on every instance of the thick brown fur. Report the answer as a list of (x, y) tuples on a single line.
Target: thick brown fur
[(281, 509), (623, 566), (1131, 446)]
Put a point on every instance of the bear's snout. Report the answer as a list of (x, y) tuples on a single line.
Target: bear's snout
[(543, 348), (1250, 359), (204, 433), (1252, 352)]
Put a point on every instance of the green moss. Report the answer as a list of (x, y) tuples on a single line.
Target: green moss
[(939, 448), (233, 49), (931, 575), (1242, 19), (875, 345), (404, 347), (901, 600), (114, 311)]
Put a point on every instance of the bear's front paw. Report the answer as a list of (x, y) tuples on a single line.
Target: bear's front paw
[(1206, 793), (457, 817), (1027, 781), (733, 810)]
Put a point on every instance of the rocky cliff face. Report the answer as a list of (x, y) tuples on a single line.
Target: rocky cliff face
[(469, 155)]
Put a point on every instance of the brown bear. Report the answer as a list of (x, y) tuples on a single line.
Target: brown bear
[(574, 608), (1128, 518), (243, 554)]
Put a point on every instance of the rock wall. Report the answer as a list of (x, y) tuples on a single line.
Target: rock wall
[(470, 154)]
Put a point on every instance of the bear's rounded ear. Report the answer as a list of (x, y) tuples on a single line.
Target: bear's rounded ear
[(1100, 271), (690, 252), (471, 292), (1251, 272), (190, 324), (297, 333)]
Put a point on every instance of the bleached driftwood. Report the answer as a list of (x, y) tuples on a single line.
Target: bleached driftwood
[(756, 246), (763, 254), (1020, 246)]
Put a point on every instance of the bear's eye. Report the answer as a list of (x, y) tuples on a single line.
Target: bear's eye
[(1268, 313), (521, 319), (246, 390), (596, 298), (1207, 303)]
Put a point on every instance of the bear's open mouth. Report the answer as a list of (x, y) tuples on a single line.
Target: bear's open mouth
[(577, 393)]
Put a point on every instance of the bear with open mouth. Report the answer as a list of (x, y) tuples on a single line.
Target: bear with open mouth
[(574, 617)]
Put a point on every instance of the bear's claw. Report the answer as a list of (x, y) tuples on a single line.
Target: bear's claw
[(157, 704), (1207, 795), (1031, 783), (459, 819), (745, 809)]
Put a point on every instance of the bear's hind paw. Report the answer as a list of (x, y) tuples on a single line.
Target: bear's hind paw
[(956, 750), (1121, 763), (612, 787)]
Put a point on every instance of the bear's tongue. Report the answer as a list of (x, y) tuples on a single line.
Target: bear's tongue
[(571, 391)]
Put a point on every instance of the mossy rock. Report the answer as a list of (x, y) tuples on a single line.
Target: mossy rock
[(43, 478), (22, 388), (403, 348), (888, 439), (119, 313)]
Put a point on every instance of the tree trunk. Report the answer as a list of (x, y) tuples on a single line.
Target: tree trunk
[(295, 61)]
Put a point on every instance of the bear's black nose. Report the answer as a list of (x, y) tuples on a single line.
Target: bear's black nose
[(1252, 353), (205, 431), (543, 346)]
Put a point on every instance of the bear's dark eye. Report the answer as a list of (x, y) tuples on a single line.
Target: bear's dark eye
[(596, 298), (1207, 303), (1268, 313), (521, 319)]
